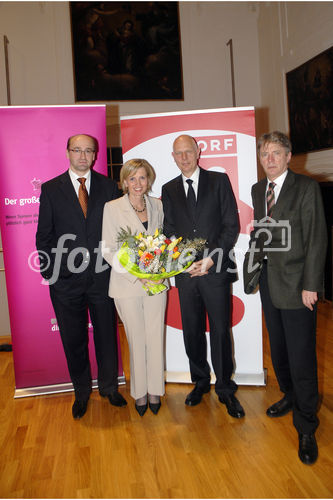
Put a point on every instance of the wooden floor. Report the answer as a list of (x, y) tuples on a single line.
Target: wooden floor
[(183, 452)]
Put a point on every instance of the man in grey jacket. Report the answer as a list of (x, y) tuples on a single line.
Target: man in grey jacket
[(288, 243)]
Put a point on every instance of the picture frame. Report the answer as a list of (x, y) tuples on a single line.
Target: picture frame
[(310, 104), (126, 51)]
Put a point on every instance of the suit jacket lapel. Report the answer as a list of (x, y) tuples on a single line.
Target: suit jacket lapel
[(261, 199), (69, 191), (180, 192), (133, 220), (284, 196), (151, 221), (94, 193), (203, 191)]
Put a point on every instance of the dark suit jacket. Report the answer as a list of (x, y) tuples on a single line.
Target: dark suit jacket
[(301, 266), (60, 214), (216, 220)]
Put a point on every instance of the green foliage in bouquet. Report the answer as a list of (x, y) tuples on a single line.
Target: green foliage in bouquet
[(156, 257)]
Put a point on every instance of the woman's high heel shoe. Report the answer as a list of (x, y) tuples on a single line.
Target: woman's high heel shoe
[(154, 407), (141, 409)]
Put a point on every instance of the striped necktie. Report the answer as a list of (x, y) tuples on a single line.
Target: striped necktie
[(83, 195), (270, 198)]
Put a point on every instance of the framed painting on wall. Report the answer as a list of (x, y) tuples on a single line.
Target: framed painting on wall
[(310, 104), (126, 51)]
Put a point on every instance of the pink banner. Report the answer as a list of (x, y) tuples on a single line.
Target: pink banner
[(32, 151)]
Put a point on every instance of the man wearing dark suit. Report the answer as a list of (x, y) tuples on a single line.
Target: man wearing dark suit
[(201, 204), (68, 240), (292, 254)]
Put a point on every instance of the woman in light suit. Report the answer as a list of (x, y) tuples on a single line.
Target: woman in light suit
[(142, 315)]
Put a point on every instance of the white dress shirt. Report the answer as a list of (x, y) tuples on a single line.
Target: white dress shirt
[(76, 185), (74, 178), (278, 185), (195, 178)]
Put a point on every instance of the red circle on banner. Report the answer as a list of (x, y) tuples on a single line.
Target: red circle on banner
[(173, 315)]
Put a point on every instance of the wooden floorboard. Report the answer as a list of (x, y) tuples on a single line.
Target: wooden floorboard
[(183, 452)]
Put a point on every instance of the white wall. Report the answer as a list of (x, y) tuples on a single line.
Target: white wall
[(291, 33), (269, 39), (41, 69), (40, 55)]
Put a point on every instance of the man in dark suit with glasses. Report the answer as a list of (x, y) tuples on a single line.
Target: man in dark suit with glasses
[(69, 243)]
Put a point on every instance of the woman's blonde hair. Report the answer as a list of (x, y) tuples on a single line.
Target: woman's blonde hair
[(131, 166)]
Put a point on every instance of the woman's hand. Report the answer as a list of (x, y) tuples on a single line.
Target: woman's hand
[(146, 281)]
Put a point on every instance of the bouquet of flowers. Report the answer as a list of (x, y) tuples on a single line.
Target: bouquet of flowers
[(156, 257)]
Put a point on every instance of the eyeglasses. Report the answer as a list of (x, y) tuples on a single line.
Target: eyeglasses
[(78, 151)]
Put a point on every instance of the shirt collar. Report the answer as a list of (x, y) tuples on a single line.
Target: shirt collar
[(194, 177), (75, 176), (279, 180)]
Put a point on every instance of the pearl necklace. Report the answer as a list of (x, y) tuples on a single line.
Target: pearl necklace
[(139, 211)]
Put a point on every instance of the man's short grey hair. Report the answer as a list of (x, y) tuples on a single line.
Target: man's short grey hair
[(275, 137)]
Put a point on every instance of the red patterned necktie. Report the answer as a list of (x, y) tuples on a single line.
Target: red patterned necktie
[(83, 195), (270, 198)]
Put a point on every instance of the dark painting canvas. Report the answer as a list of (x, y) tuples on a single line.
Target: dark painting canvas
[(310, 102), (126, 50)]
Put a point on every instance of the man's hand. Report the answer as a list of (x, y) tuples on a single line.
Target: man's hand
[(201, 267), (309, 299)]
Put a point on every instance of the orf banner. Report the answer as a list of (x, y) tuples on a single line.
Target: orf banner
[(32, 151), (227, 141)]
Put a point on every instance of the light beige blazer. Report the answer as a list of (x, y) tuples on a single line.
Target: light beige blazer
[(120, 214)]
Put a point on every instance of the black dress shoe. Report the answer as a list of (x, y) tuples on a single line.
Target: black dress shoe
[(115, 398), (234, 407), (308, 449), (6, 347), (280, 408), (79, 408), (141, 409), (154, 407), (195, 396)]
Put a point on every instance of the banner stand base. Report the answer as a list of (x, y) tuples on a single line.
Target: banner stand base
[(258, 379), (54, 389)]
